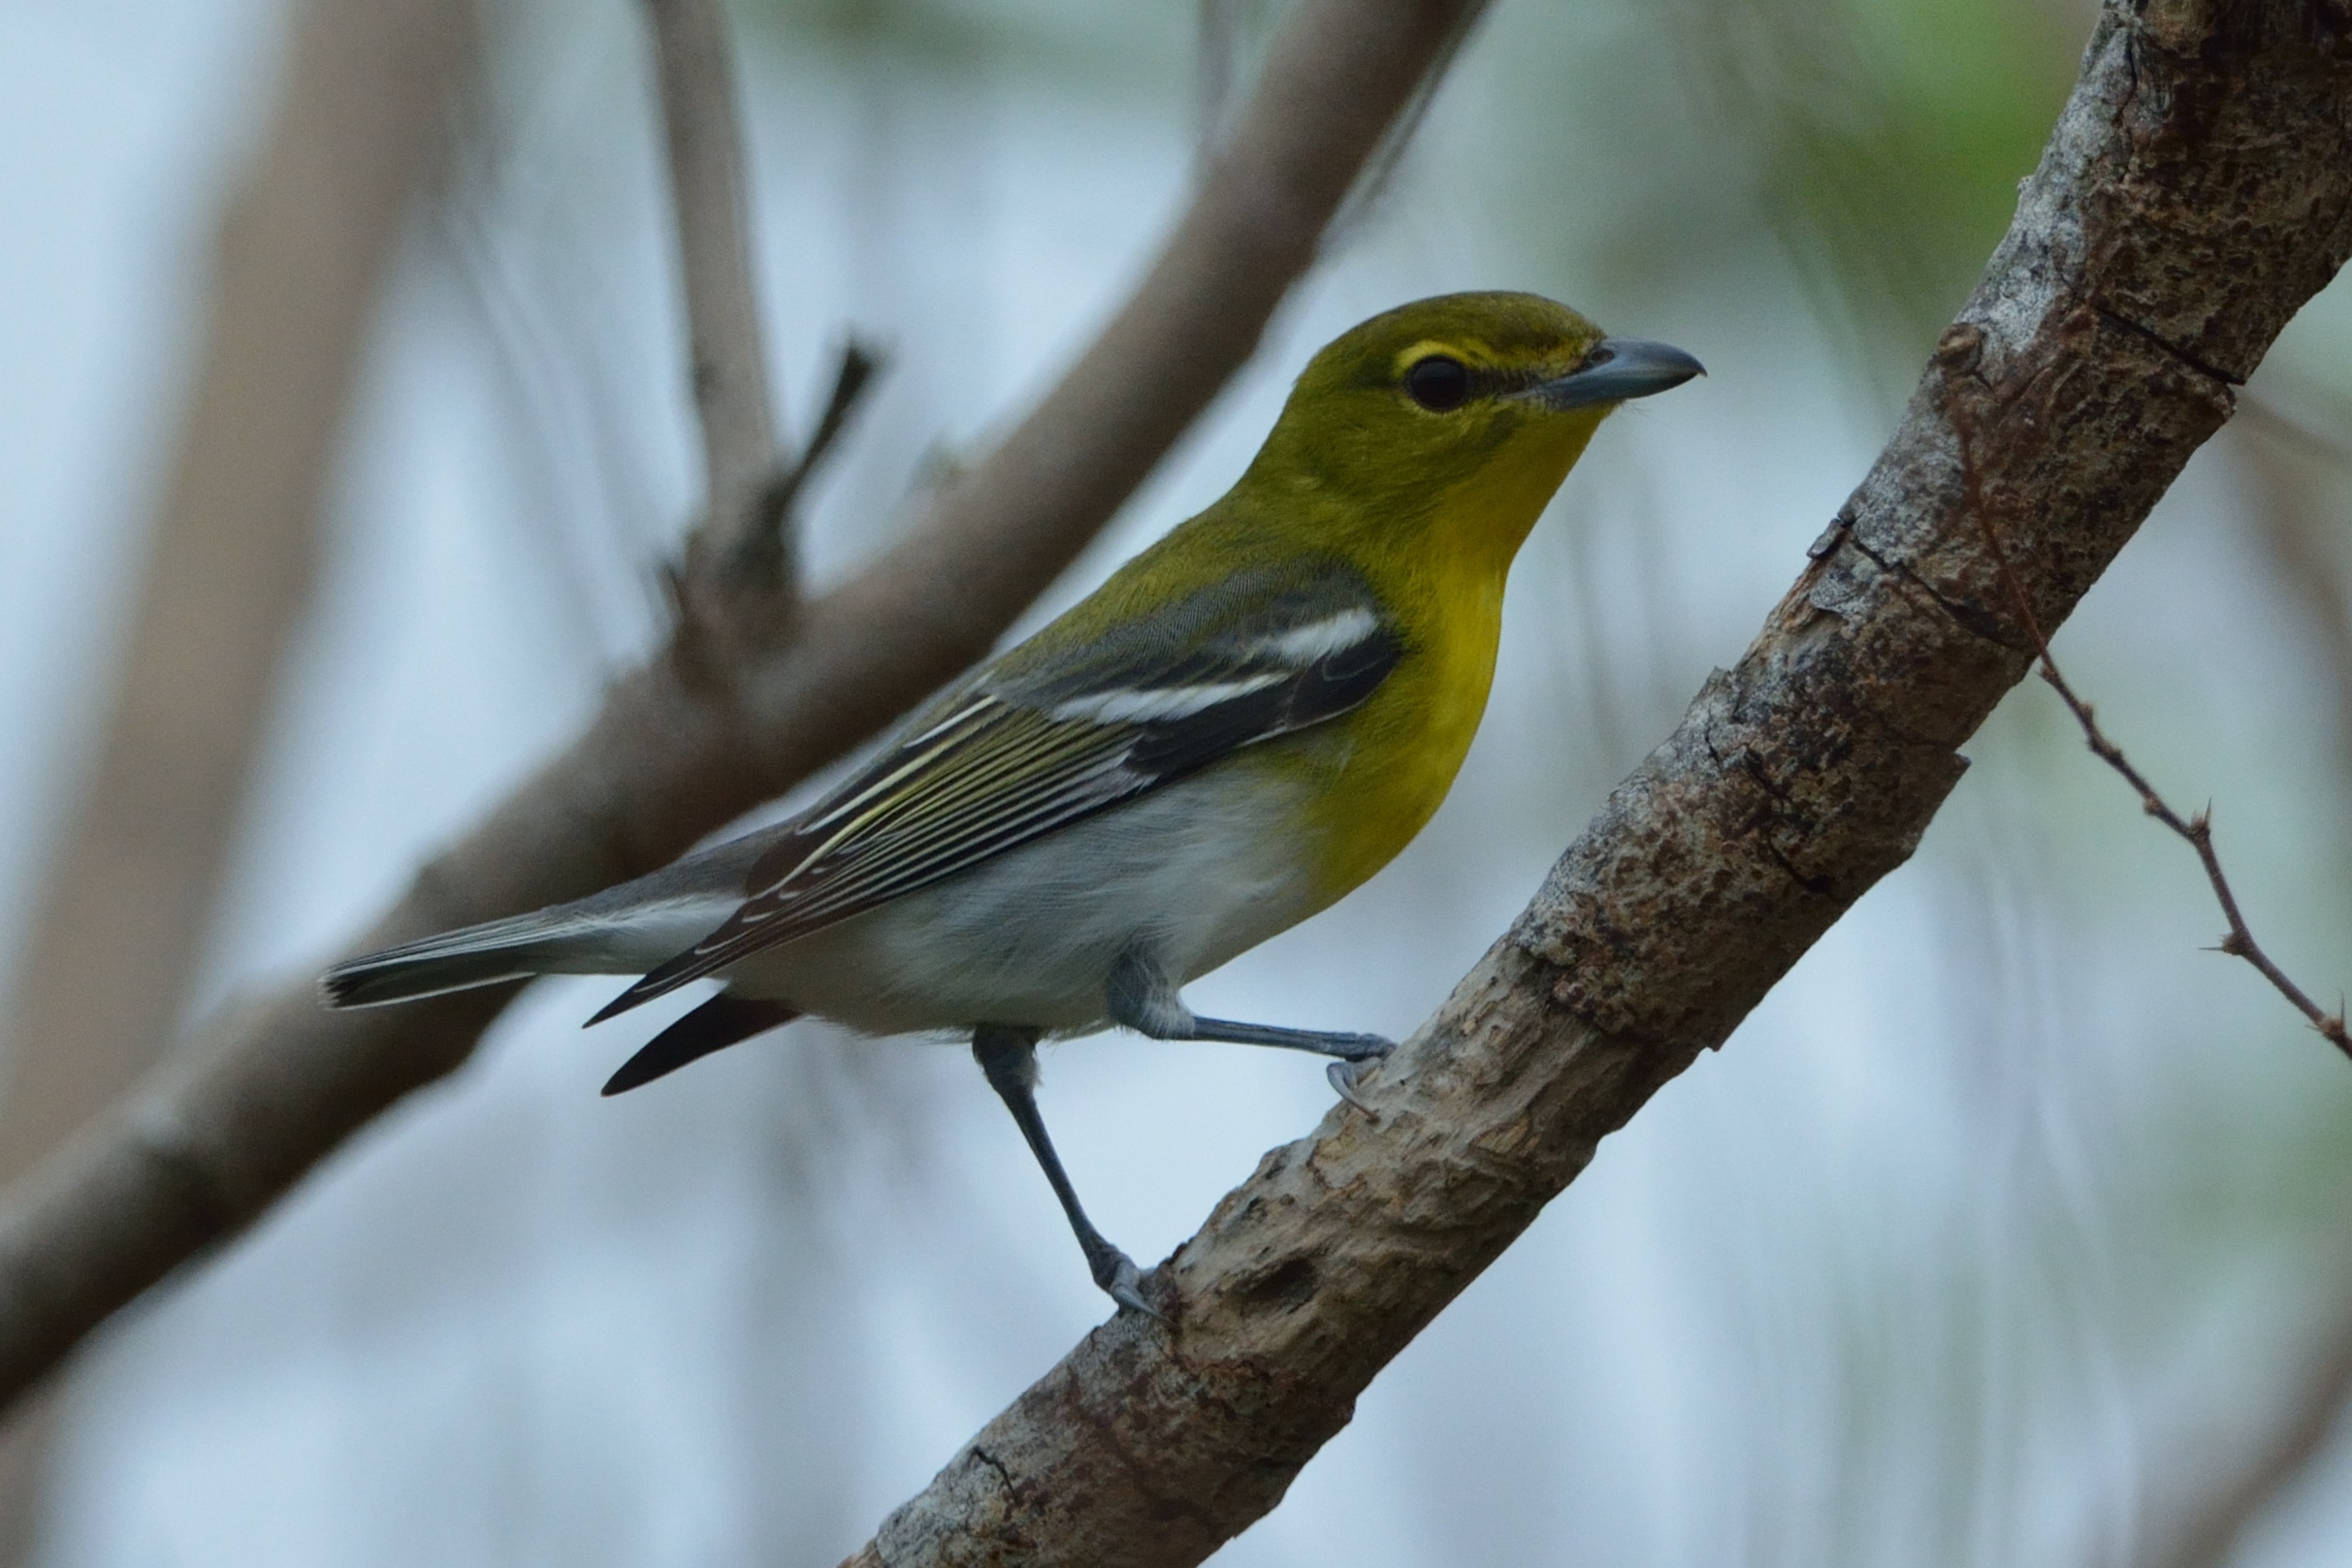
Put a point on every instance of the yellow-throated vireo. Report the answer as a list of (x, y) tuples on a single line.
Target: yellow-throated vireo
[(1244, 723)]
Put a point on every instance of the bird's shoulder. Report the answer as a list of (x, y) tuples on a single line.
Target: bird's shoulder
[(1160, 624)]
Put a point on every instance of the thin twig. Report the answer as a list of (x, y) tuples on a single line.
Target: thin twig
[(2210, 1502), (2198, 828), (859, 364)]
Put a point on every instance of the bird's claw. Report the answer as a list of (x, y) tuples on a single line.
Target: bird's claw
[(1346, 1073), (1123, 1283)]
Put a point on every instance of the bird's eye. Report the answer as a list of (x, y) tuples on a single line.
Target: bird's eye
[(1438, 383)]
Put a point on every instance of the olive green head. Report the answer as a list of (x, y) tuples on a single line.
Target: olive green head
[(1463, 390)]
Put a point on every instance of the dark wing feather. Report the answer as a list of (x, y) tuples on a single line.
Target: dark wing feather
[(1005, 764), (1325, 688), (713, 1026)]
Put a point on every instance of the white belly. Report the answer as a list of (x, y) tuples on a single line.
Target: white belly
[(1189, 874)]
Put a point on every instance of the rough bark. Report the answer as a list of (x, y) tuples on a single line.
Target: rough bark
[(297, 266), (715, 724), (2195, 191)]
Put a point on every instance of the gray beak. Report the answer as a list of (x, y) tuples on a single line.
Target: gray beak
[(1616, 368)]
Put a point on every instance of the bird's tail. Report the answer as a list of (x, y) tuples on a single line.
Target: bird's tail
[(510, 950), (624, 930)]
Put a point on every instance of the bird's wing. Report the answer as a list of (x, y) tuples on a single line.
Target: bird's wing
[(1038, 742)]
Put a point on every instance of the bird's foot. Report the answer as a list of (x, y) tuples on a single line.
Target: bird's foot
[(1348, 1072), (1120, 1280)]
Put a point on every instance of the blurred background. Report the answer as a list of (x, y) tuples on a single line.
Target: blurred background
[(2013, 1228)]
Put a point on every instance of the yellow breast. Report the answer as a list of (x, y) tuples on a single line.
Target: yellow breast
[(1382, 772), (1385, 775)]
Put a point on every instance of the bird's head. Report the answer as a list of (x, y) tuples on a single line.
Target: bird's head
[(1469, 406)]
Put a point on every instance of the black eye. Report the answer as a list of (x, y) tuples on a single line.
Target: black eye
[(1438, 384)]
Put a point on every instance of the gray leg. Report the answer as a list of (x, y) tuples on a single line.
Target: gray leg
[(1141, 997), (1008, 1055)]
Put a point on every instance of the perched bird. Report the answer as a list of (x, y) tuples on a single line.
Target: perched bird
[(1244, 723)]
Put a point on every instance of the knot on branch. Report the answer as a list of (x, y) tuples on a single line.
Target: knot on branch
[(1960, 346), (735, 596)]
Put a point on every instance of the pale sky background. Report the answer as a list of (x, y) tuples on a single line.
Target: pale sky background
[(2004, 1212)]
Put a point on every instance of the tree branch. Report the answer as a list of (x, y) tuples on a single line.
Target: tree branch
[(2228, 1488), (684, 745), (361, 120), (2195, 191), (298, 265), (726, 348)]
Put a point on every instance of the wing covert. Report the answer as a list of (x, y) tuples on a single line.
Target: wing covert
[(1020, 753)]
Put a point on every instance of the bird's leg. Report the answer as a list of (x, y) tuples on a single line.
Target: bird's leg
[(1008, 1055), (1141, 997)]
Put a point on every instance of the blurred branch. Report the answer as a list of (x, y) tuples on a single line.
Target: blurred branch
[(2252, 1475), (2197, 829), (1218, 31), (2287, 515), (220, 1130), (726, 350), (2195, 192), (2286, 422), (297, 269)]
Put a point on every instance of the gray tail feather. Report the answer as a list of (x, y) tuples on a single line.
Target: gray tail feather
[(509, 949)]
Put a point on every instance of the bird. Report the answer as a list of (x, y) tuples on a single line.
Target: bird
[(1244, 723)]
